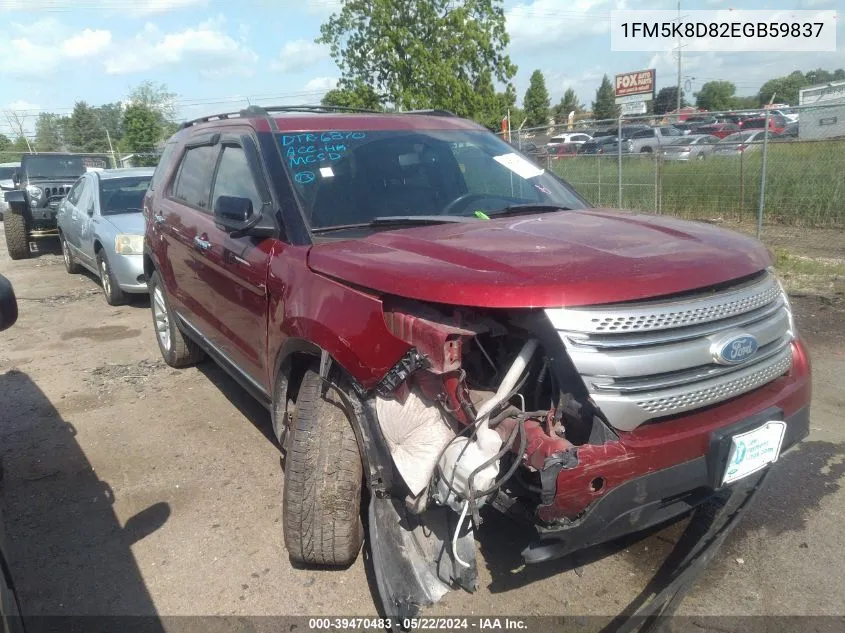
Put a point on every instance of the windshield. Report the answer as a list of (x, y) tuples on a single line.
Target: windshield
[(684, 140), (353, 177), (122, 195), (45, 166)]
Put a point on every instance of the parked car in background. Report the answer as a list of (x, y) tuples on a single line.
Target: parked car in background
[(777, 123), (790, 131), (576, 138), (650, 139), (606, 145), (7, 183), (701, 119), (789, 114), (720, 130), (101, 228), (564, 150), (689, 147), (41, 184), (740, 143)]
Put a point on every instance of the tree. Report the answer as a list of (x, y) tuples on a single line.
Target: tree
[(715, 96), (110, 116), (667, 100), (84, 131), (356, 96), (746, 103), (421, 53), (155, 97), (784, 89), (5, 143), (604, 107), (568, 103), (821, 76), (48, 133), (536, 101), (142, 132)]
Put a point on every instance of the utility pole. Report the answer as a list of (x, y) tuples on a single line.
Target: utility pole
[(678, 108), (18, 125)]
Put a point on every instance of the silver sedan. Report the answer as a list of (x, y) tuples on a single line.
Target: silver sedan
[(689, 147), (102, 229)]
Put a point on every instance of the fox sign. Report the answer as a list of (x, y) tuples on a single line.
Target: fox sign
[(640, 82)]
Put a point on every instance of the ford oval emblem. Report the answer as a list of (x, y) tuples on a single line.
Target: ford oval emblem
[(735, 350)]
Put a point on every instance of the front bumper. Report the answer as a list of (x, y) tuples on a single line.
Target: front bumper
[(128, 270), (663, 469)]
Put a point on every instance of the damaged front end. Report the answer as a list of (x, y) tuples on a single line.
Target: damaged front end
[(485, 408)]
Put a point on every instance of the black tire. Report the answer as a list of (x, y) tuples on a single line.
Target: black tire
[(114, 295), (71, 265), (322, 490), (17, 236), (177, 349)]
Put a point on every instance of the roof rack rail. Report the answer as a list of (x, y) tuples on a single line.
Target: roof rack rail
[(266, 111), (433, 112), (255, 110)]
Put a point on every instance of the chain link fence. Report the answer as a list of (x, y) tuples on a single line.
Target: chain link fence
[(787, 188)]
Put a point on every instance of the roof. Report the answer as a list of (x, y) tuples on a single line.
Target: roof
[(10, 164), (319, 118), (128, 172)]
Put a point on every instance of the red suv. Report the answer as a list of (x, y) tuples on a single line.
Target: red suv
[(427, 313)]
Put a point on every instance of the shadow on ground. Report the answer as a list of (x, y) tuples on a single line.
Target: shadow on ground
[(69, 554)]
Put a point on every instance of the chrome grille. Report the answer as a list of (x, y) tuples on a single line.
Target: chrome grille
[(656, 358)]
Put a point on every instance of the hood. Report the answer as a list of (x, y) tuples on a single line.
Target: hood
[(552, 260), (130, 223)]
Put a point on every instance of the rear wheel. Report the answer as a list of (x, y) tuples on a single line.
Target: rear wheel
[(70, 263), (176, 348), (17, 235), (111, 289), (323, 475)]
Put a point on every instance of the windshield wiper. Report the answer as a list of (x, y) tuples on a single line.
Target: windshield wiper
[(396, 220), (119, 211), (528, 208)]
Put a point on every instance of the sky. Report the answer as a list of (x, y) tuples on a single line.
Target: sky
[(217, 55)]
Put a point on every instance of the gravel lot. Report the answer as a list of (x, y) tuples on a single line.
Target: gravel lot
[(133, 488)]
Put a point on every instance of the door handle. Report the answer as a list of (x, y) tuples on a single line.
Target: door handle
[(158, 218), (201, 243)]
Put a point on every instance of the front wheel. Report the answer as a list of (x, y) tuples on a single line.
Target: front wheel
[(70, 263), (321, 508), (177, 349), (111, 289), (17, 235)]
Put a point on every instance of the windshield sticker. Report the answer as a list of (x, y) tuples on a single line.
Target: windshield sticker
[(326, 172), (313, 149), (520, 166), (305, 177)]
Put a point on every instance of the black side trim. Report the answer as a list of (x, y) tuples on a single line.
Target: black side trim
[(245, 381)]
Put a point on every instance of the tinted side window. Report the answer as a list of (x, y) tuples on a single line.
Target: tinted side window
[(193, 182), (163, 164), (234, 178)]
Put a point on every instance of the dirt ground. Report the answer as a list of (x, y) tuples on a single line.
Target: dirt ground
[(133, 488)]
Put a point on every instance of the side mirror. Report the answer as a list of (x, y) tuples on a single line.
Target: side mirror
[(232, 211), (8, 304), (16, 179)]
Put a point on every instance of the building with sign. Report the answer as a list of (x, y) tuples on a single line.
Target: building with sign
[(634, 90), (822, 111)]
